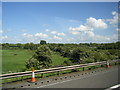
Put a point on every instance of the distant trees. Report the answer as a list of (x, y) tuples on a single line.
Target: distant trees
[(42, 42), (30, 46), (109, 46), (86, 53), (58, 47)]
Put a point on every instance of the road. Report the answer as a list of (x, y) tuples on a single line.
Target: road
[(98, 78), (103, 79)]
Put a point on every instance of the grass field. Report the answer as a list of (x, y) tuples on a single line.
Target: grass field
[(14, 60)]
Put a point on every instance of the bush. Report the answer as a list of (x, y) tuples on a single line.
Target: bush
[(68, 63), (41, 58)]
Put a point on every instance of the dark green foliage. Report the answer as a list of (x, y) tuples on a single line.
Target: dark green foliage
[(30, 46), (87, 53), (68, 63), (41, 58), (42, 42), (76, 55), (109, 46)]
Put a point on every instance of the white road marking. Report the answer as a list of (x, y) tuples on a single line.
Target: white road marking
[(113, 87), (55, 83), (69, 80)]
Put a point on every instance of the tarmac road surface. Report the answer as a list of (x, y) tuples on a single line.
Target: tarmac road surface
[(98, 78), (103, 79)]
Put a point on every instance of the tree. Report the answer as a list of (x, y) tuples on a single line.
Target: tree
[(76, 55), (26, 46), (41, 58), (31, 46), (42, 42)]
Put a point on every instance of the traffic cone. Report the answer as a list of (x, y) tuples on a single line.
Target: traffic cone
[(108, 66), (33, 76)]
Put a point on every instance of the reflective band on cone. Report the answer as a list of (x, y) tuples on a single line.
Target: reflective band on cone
[(107, 65), (33, 76)]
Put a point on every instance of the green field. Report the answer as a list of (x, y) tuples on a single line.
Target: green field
[(14, 60)]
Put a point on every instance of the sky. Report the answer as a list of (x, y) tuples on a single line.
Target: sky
[(59, 22)]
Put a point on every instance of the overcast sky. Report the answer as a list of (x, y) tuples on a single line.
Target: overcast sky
[(60, 22)]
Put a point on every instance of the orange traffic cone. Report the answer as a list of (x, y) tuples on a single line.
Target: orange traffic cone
[(33, 76), (108, 66)]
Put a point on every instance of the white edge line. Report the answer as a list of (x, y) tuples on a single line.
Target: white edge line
[(68, 80), (113, 87), (116, 86)]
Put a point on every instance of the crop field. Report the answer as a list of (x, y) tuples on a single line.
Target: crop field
[(14, 60)]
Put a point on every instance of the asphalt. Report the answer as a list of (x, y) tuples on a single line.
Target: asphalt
[(102, 79), (98, 78)]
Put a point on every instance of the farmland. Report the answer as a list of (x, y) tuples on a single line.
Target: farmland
[(17, 57), (14, 60)]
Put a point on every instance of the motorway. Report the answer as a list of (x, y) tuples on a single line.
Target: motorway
[(99, 78), (103, 79)]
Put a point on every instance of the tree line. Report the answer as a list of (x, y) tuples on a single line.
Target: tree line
[(33, 46)]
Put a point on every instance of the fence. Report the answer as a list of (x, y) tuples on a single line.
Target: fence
[(43, 71)]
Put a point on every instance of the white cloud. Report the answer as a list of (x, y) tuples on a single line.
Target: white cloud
[(54, 32), (56, 37), (114, 13), (81, 28), (27, 35), (91, 37), (75, 33), (61, 34), (41, 35), (115, 18), (38, 36), (101, 38), (1, 31), (114, 37), (90, 33), (96, 24), (3, 37), (33, 37), (117, 29), (47, 30), (90, 25)]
